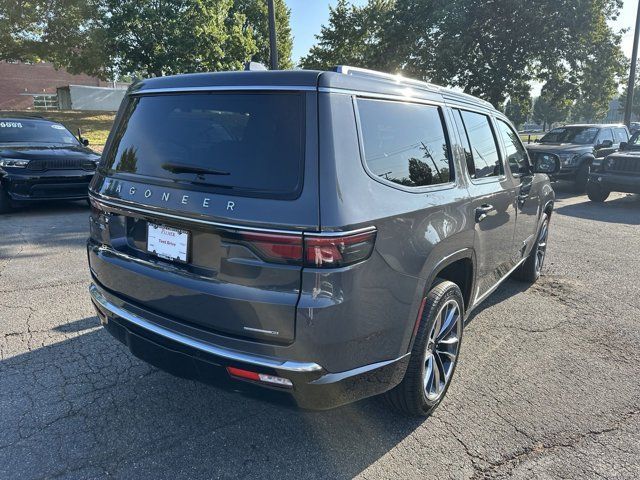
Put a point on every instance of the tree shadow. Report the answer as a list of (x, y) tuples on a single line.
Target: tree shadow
[(86, 405)]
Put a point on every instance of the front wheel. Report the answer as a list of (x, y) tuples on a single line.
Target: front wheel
[(582, 177), (435, 351), (596, 193)]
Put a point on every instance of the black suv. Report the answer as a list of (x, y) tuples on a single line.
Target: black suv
[(42, 160), (619, 172), (580, 147), (317, 236)]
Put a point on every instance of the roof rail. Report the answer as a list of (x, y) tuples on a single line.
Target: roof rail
[(364, 72), (348, 70)]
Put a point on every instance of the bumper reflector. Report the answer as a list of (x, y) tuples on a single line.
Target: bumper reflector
[(259, 377)]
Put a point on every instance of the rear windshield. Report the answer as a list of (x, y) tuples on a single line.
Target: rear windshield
[(35, 131), (244, 143)]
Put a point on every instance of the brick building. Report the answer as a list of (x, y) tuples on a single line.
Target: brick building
[(20, 81)]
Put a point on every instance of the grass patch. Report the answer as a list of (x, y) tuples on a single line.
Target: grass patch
[(95, 126)]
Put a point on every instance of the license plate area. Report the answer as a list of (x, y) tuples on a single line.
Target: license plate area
[(168, 242)]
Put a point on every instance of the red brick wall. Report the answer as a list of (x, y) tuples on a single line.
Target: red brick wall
[(17, 78)]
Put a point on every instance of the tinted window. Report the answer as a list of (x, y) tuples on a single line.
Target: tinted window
[(516, 154), (486, 160), (579, 135), (620, 134), (35, 131), (249, 142), (404, 143), (466, 146), (605, 134)]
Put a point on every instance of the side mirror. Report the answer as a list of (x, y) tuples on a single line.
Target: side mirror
[(537, 140), (606, 144), (82, 140), (623, 145), (548, 163)]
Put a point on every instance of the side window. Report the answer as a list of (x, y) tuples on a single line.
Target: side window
[(486, 160), (605, 134), (466, 146), (621, 135), (516, 154), (405, 143)]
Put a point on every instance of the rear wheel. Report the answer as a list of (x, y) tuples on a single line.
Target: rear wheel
[(530, 270), (5, 202), (596, 193), (435, 351)]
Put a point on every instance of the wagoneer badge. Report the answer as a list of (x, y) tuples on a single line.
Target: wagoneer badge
[(115, 187)]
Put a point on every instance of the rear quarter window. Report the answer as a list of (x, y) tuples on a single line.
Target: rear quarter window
[(405, 143), (236, 143)]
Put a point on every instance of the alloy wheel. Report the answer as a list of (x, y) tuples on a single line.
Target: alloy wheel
[(541, 246), (442, 350)]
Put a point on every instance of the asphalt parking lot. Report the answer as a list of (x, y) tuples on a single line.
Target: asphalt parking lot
[(548, 385)]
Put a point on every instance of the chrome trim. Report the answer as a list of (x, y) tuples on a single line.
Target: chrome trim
[(260, 330), (227, 88), (124, 204), (268, 362), (481, 298)]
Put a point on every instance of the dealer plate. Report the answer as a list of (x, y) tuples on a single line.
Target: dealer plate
[(167, 242)]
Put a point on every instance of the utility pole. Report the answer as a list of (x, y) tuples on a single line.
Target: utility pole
[(273, 45), (632, 72)]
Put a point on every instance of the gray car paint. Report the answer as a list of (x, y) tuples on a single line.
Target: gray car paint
[(348, 317)]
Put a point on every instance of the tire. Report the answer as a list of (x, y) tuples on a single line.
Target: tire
[(582, 178), (530, 270), (596, 193), (418, 394), (5, 202)]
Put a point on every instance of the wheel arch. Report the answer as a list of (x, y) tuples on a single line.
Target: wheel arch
[(458, 267)]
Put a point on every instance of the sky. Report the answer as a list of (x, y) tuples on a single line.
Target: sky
[(307, 16)]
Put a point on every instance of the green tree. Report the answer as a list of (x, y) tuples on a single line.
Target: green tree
[(635, 105), (555, 101), (353, 36), (518, 107), (257, 21), (163, 37), (492, 49), (141, 37)]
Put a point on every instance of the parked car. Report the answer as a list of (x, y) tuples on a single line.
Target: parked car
[(42, 160), (580, 147), (318, 236), (619, 172)]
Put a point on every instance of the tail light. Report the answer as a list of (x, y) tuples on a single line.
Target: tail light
[(338, 251), (317, 251)]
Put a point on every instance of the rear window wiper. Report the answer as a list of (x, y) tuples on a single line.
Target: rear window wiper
[(183, 168)]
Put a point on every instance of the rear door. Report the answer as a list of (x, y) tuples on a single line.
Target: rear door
[(527, 200), (206, 196), (492, 195)]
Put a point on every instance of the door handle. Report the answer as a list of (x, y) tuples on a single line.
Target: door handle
[(482, 211)]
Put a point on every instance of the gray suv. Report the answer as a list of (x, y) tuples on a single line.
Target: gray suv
[(315, 237)]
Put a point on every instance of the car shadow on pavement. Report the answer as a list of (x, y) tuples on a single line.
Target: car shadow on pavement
[(86, 406), (622, 210)]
